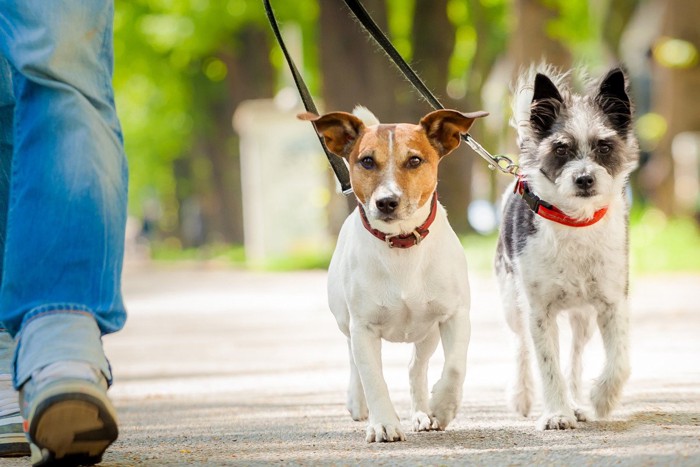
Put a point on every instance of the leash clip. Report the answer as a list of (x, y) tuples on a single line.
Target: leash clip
[(502, 163), (510, 167)]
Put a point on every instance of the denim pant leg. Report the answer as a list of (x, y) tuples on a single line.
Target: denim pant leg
[(7, 105), (7, 349), (61, 286)]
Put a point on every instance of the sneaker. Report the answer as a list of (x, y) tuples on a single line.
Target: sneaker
[(13, 443), (68, 418)]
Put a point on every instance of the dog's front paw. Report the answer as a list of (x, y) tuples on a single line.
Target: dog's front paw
[(603, 399), (424, 422), (358, 409), (444, 403), (443, 412), (555, 422), (521, 402), (581, 415), (385, 432)]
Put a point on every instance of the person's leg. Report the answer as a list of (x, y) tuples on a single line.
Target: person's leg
[(65, 229), (12, 440)]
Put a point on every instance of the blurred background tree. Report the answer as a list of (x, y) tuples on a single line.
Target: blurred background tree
[(184, 66)]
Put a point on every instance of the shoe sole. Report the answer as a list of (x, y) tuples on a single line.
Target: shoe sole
[(14, 447), (72, 425), (13, 441)]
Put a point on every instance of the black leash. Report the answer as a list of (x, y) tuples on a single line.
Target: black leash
[(502, 163), (337, 163)]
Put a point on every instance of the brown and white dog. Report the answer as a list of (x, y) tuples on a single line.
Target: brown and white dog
[(388, 278)]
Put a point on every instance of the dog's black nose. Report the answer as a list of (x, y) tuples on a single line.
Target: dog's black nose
[(388, 205), (585, 182)]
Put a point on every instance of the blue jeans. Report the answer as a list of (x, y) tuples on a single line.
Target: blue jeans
[(63, 183)]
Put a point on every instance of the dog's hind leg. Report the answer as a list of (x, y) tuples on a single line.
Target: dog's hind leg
[(581, 331), (613, 322), (418, 379), (357, 404), (520, 395), (447, 392), (522, 389)]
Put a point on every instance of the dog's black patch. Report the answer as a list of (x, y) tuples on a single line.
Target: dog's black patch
[(518, 226), (611, 161), (502, 261), (545, 107), (554, 161)]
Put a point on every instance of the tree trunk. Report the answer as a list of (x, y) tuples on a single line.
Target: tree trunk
[(355, 72), (433, 43), (530, 42), (674, 89), (353, 69), (250, 75), (616, 19)]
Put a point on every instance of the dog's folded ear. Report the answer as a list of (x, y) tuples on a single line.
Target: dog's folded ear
[(339, 130), (612, 98), (444, 127), (546, 104)]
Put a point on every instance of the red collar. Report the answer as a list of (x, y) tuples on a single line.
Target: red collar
[(552, 213), (405, 240)]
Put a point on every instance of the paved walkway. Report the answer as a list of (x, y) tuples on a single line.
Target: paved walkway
[(219, 367)]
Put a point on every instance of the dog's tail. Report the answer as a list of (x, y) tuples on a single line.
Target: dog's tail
[(523, 90)]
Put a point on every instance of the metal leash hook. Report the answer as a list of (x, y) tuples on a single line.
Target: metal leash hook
[(502, 163), (510, 167)]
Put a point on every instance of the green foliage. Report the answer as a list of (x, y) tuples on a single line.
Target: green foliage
[(171, 64), (578, 26), (164, 50), (659, 244), (234, 256), (227, 255), (471, 19), (480, 251), (400, 19)]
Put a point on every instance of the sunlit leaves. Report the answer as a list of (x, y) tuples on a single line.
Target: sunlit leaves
[(675, 53)]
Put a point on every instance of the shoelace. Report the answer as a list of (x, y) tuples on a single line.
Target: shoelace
[(9, 404)]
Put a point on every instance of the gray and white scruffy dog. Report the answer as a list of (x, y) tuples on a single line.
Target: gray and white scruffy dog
[(563, 245)]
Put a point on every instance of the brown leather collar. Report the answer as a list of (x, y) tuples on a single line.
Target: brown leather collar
[(406, 240)]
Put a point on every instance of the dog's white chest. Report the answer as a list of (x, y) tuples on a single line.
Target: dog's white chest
[(399, 295), (407, 316), (578, 266)]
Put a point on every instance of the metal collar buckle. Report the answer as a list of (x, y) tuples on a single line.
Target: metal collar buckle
[(388, 239)]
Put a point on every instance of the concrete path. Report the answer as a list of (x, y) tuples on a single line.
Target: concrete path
[(220, 367)]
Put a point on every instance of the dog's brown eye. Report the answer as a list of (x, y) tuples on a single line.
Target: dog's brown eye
[(367, 163), (604, 148), (414, 161), (561, 150)]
